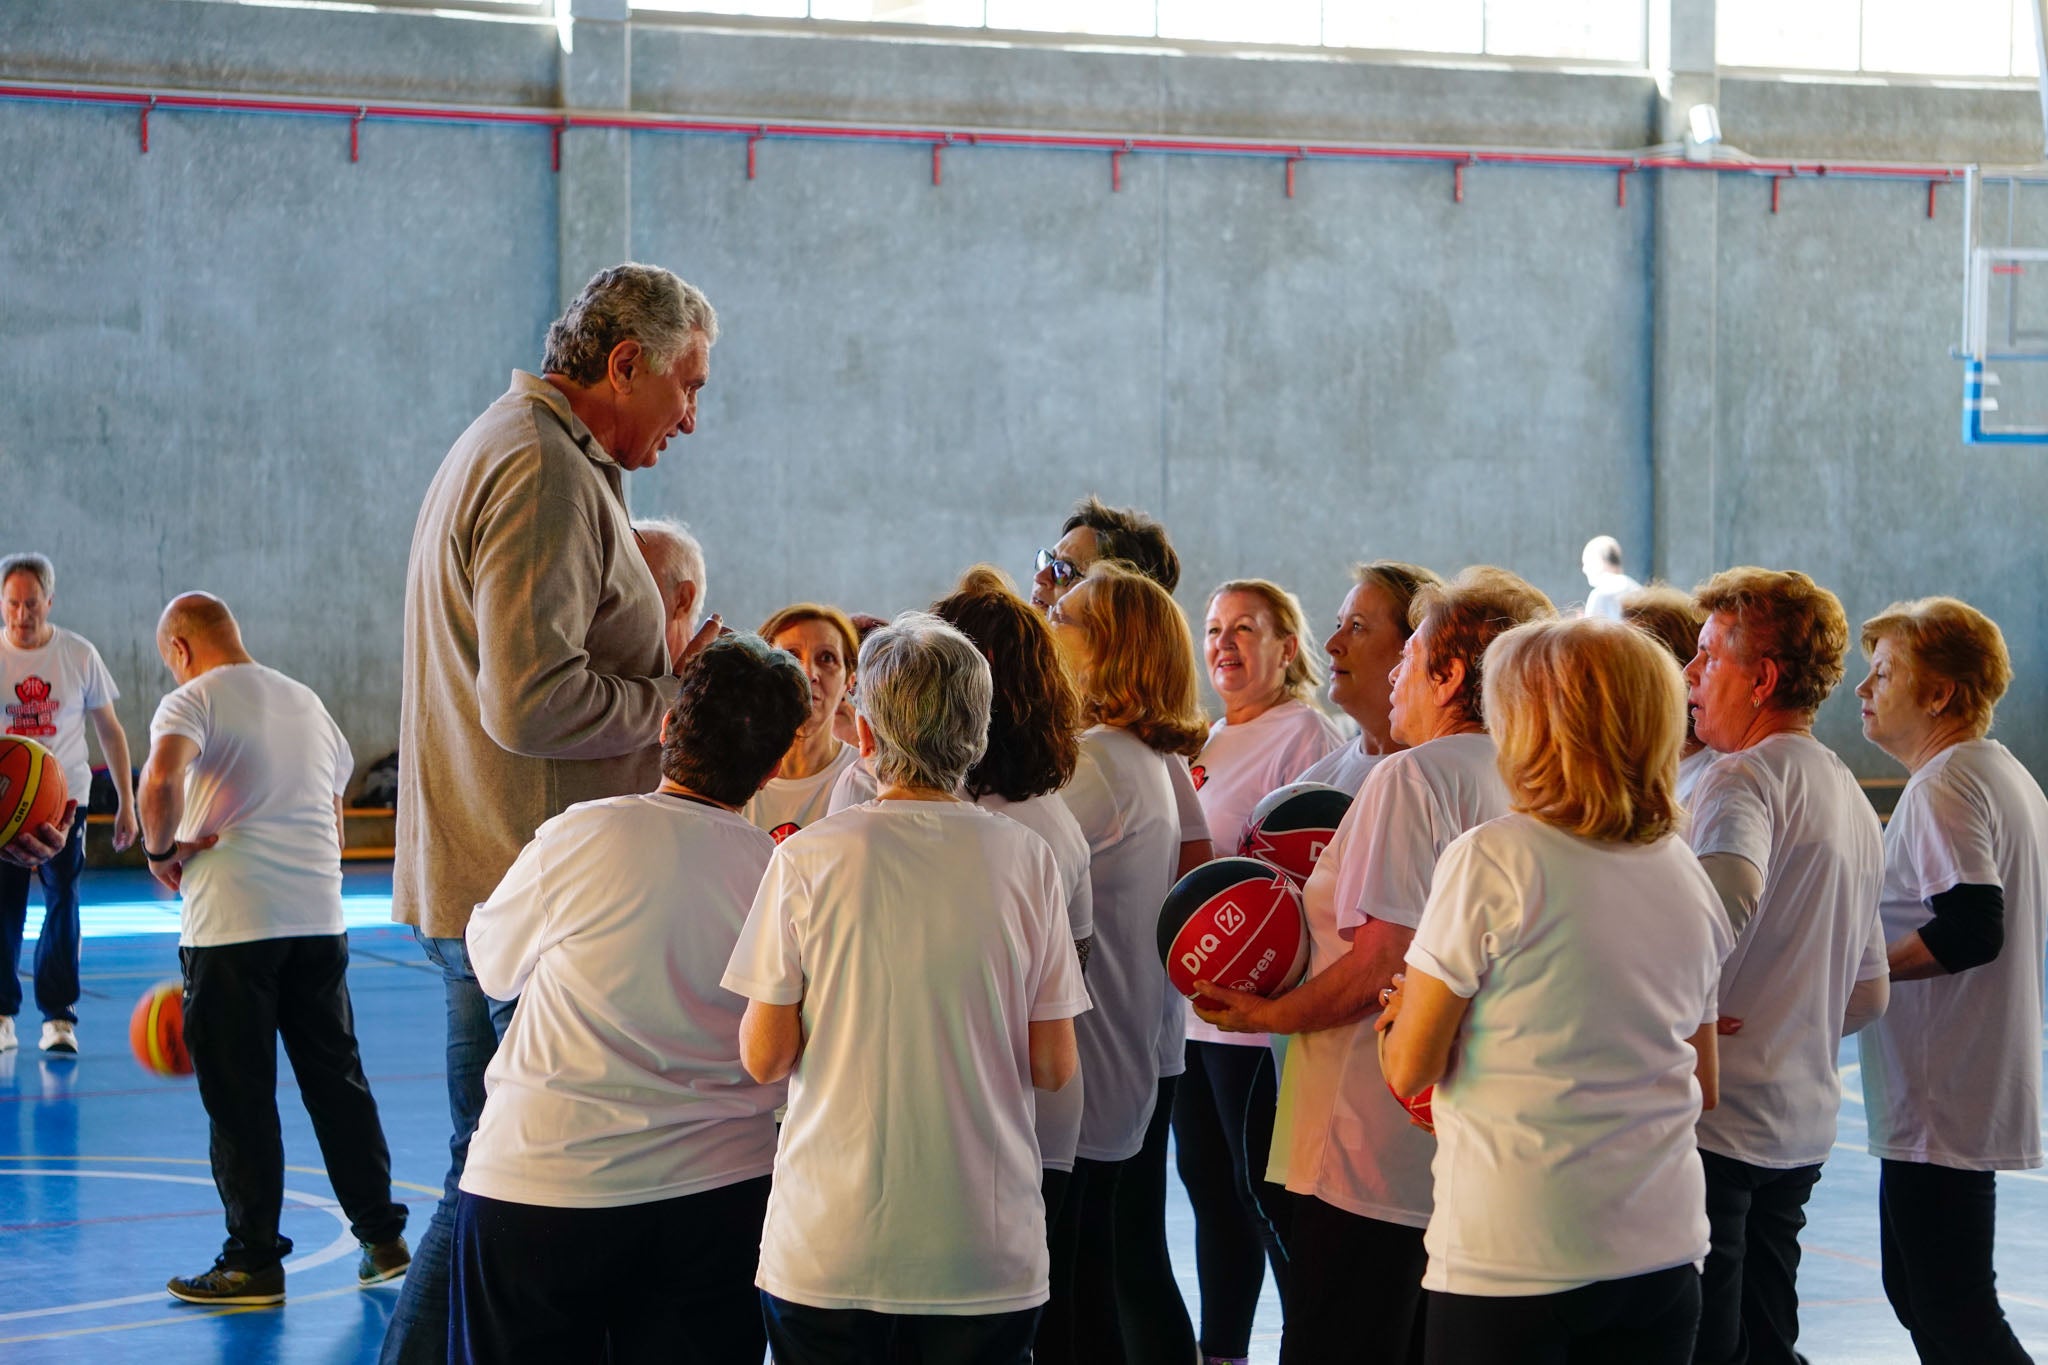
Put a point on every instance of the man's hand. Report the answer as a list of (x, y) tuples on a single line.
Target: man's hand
[(125, 826), (34, 847), (171, 871), (713, 627), (1232, 1011)]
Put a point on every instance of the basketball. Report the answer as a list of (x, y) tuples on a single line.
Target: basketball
[(156, 1031), (1421, 1109), (1292, 826), (1237, 922), (32, 790)]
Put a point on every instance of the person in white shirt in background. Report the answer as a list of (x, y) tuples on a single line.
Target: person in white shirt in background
[(1794, 851), (907, 964), (1671, 616), (1360, 1169), (1600, 561), (1156, 1326), (824, 641), (1951, 1073), (612, 1202), (1256, 649), (52, 682), (677, 562), (241, 816), (1132, 659), (1372, 626), (1570, 1220)]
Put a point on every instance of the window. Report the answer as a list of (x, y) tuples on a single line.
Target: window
[(1573, 30), (1985, 38)]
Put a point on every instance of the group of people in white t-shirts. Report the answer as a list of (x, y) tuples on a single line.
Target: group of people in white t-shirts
[(1556, 1088)]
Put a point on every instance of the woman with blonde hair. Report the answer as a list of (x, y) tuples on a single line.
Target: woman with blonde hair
[(1794, 851), (826, 643), (1361, 1168), (1255, 646), (1128, 649), (1951, 1078), (1569, 1222)]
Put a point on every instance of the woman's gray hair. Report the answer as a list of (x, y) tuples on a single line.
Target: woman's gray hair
[(925, 691), (630, 302), (35, 565)]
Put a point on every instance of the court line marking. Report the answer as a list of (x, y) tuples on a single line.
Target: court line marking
[(196, 1314), (202, 1161), (341, 1246)]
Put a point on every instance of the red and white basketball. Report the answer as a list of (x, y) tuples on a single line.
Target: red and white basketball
[(1292, 826), (1421, 1108), (32, 787), (1236, 922)]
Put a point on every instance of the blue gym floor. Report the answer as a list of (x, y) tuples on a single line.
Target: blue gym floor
[(104, 1189)]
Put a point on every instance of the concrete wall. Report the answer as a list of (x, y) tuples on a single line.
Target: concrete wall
[(235, 362)]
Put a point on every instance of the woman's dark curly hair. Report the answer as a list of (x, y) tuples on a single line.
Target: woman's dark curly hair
[(1031, 727)]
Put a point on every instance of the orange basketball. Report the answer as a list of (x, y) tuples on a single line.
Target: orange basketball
[(32, 790), (157, 1030)]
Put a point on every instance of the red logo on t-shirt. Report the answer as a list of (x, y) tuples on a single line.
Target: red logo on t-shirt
[(34, 713), (1200, 774), (784, 830)]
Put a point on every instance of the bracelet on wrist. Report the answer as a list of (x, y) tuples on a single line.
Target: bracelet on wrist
[(153, 856)]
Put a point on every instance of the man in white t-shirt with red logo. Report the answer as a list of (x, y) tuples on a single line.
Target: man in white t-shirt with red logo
[(51, 682), (241, 813)]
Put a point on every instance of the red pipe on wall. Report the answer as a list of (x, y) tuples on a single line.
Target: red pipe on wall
[(357, 112)]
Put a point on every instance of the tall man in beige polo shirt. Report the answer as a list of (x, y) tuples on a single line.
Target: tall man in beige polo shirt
[(536, 672)]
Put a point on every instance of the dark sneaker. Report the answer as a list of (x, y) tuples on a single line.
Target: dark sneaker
[(383, 1262), (222, 1285)]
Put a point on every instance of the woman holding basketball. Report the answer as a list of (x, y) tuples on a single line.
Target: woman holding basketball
[(1569, 1221), (1361, 1166), (1254, 643), (826, 643), (1950, 1081), (1129, 651)]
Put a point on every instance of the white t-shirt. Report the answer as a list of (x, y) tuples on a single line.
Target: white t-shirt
[(619, 1081), (856, 785), (1171, 1046), (788, 804), (1564, 1127), (1689, 769), (1122, 796), (1370, 1159), (921, 938), (1059, 1111), (45, 693), (1238, 767), (271, 764), (1791, 809), (1951, 1073), (1346, 769), (1608, 590)]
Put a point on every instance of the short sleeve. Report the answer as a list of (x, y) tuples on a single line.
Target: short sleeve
[(180, 713), (1875, 961), (1081, 907), (1194, 824), (99, 689), (344, 760), (766, 964), (1948, 842), (507, 932), (1092, 802), (1473, 908), (1396, 838), (1729, 815)]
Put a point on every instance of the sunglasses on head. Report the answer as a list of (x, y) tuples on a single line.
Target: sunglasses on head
[(1062, 570)]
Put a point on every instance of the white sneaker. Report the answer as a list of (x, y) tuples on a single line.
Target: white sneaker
[(8, 1042), (60, 1036)]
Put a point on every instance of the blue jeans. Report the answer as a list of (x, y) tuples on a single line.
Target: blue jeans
[(419, 1321), (57, 947)]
